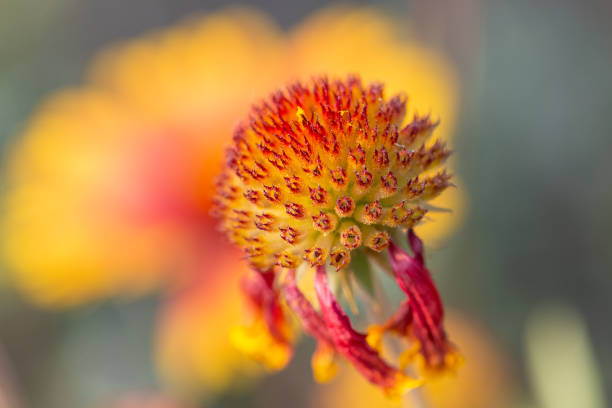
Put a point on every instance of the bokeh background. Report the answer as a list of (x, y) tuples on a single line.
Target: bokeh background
[(531, 264)]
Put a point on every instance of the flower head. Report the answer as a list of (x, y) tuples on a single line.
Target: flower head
[(325, 169), (488, 364)]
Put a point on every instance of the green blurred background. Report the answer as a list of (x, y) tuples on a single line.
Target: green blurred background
[(533, 145)]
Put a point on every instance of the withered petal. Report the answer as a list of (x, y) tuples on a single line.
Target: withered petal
[(349, 343), (264, 298), (425, 305), (312, 322)]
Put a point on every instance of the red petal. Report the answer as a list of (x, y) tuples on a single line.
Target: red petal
[(264, 298), (425, 305), (312, 322), (351, 344), (323, 366)]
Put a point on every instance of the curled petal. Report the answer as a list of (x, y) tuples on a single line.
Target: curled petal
[(417, 248), (268, 337), (324, 367), (353, 345), (423, 310)]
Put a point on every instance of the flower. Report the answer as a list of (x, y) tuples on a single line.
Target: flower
[(322, 170), (109, 185)]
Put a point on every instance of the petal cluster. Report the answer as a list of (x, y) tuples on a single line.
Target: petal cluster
[(325, 168)]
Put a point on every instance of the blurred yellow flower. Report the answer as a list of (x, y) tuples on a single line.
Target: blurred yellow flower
[(84, 213), (109, 185), (192, 338), (484, 381)]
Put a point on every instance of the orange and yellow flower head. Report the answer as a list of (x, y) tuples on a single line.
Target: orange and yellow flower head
[(322, 170)]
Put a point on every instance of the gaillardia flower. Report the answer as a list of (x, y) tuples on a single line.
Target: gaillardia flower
[(108, 186), (319, 172)]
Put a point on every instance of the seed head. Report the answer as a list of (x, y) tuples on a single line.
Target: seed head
[(322, 169)]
